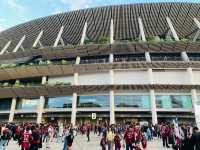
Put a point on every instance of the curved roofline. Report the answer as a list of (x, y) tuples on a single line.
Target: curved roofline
[(128, 20), (71, 11)]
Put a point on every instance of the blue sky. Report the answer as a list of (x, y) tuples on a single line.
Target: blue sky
[(13, 12)]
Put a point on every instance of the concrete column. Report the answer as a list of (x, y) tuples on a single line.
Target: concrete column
[(41, 103), (112, 108), (147, 56), (12, 110), (112, 103), (75, 78), (74, 110), (184, 56), (40, 109), (150, 75), (111, 58), (111, 72), (152, 98), (74, 99), (44, 80), (196, 107), (78, 59), (153, 107), (111, 32), (190, 75), (141, 27)]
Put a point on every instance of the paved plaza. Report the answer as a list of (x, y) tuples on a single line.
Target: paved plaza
[(81, 143)]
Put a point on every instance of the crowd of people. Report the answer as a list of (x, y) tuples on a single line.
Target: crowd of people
[(128, 136)]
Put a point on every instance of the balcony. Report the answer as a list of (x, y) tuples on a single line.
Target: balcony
[(129, 57), (165, 56), (94, 60)]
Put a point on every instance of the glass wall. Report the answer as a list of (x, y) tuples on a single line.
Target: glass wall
[(59, 102), (137, 101), (93, 101), (129, 57), (166, 57), (173, 101), (5, 104), (27, 104)]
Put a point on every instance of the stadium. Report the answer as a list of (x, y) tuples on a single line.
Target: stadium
[(136, 62)]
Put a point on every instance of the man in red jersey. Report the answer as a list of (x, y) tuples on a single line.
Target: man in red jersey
[(129, 138), (26, 139)]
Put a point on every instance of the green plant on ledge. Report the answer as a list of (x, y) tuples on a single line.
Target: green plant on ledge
[(184, 40), (103, 40), (49, 62), (153, 39), (88, 41), (64, 62)]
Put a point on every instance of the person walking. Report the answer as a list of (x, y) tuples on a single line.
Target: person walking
[(110, 138), (103, 142), (129, 138), (195, 138), (117, 141)]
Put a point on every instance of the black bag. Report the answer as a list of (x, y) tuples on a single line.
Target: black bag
[(171, 140)]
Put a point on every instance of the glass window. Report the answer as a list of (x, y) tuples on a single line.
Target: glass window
[(166, 57), (5, 104), (173, 101), (129, 57), (59, 102), (27, 104), (137, 101), (93, 101)]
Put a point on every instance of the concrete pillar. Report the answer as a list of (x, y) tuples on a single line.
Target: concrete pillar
[(12, 110), (40, 109), (190, 75), (147, 56), (74, 99), (111, 72), (196, 107), (111, 58), (111, 32), (74, 103), (112, 103), (78, 59), (152, 98), (141, 27), (184, 56), (112, 108), (153, 107), (150, 75)]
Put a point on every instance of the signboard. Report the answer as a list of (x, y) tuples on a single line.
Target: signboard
[(94, 116)]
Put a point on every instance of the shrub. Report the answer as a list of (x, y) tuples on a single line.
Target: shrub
[(103, 40), (64, 62)]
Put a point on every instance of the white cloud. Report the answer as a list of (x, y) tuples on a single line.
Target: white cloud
[(77, 4), (16, 5), (1, 28), (57, 11)]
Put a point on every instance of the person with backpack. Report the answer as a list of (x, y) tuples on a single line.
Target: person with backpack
[(103, 142), (70, 139)]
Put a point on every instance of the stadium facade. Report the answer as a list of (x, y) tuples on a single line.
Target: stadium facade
[(129, 62)]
